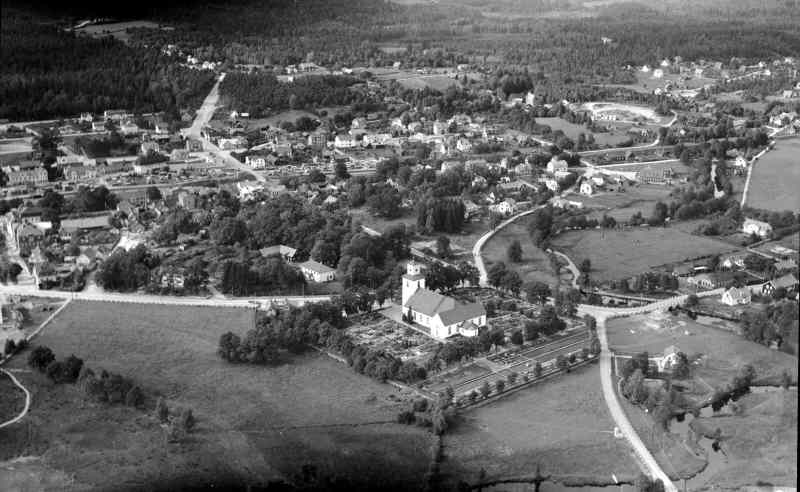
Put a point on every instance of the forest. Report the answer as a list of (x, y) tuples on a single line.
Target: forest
[(49, 73)]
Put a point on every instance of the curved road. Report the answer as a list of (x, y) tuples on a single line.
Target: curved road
[(476, 250), (27, 400)]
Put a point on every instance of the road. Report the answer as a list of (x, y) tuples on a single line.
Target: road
[(248, 302), (24, 411), (476, 250), (753, 164)]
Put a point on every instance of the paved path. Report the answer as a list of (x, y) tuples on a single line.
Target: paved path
[(476, 250), (24, 411)]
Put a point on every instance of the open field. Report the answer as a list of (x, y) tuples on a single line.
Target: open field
[(411, 79), (645, 83), (572, 131), (12, 400), (724, 351), (535, 265), (622, 205), (255, 423), (626, 113), (623, 253), (119, 30), (760, 444), (13, 146), (561, 424), (773, 185)]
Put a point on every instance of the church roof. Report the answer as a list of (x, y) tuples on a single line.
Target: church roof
[(431, 303)]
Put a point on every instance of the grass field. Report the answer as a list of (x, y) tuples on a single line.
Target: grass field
[(411, 79), (725, 351), (622, 205), (561, 424), (773, 185), (535, 265), (255, 423), (572, 131), (760, 444), (12, 399), (623, 253)]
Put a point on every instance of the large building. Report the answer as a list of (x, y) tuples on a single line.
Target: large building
[(443, 316)]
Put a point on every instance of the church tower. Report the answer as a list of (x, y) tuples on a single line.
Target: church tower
[(413, 279)]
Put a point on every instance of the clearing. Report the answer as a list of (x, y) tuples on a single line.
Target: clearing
[(561, 425), (623, 202), (773, 185), (255, 423), (622, 253)]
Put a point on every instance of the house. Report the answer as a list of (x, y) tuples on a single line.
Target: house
[(703, 281), (173, 279), (75, 174), (650, 175), (788, 282), (740, 162), (523, 169), (344, 142), (470, 208), (463, 145), (736, 296), (255, 161), (552, 184), (757, 227), (187, 200), (736, 260), (658, 73), (88, 258), (668, 359), (559, 202), (276, 190), (318, 139), (443, 316), (506, 207), (149, 146), (286, 252), (788, 264), (556, 164), (116, 114), (682, 271), (587, 188), (34, 176), (247, 190), (129, 128), (71, 227), (317, 272)]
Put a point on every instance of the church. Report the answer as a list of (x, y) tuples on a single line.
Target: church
[(443, 316)]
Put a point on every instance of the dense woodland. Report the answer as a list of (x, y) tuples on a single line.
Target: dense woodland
[(49, 73)]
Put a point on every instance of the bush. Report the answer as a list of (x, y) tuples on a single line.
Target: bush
[(162, 411), (500, 385), (406, 417), (421, 405), (9, 348), (516, 338), (134, 397), (187, 420), (40, 358)]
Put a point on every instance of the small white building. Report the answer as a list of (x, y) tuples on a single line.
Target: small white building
[(556, 164), (506, 207), (256, 161), (668, 360), (317, 272), (757, 227), (736, 296), (587, 188)]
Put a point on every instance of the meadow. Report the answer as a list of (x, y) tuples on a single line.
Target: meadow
[(623, 253), (561, 425), (773, 185), (535, 264), (256, 424), (612, 138)]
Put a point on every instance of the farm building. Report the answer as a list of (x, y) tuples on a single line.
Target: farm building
[(443, 316), (788, 282), (650, 175), (286, 252)]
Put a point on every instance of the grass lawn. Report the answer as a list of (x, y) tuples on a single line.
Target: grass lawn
[(255, 423), (12, 400), (561, 424), (773, 185), (760, 444), (622, 253), (725, 352), (572, 130), (535, 265), (622, 205)]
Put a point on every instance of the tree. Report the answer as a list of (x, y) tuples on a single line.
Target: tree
[(340, 170), (681, 369), (562, 363), (134, 397), (40, 358), (537, 369), (500, 385), (153, 194), (586, 266), (692, 301), (512, 378), (496, 273), (9, 348), (514, 252), (516, 337), (634, 388), (537, 292), (162, 410), (443, 247), (485, 389), (186, 420)]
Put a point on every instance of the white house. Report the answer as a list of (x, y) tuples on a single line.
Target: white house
[(556, 164), (344, 142), (757, 227), (668, 359), (587, 188), (735, 296), (285, 252), (463, 145), (740, 161), (658, 73), (443, 316), (506, 207), (256, 161), (317, 272), (551, 184)]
